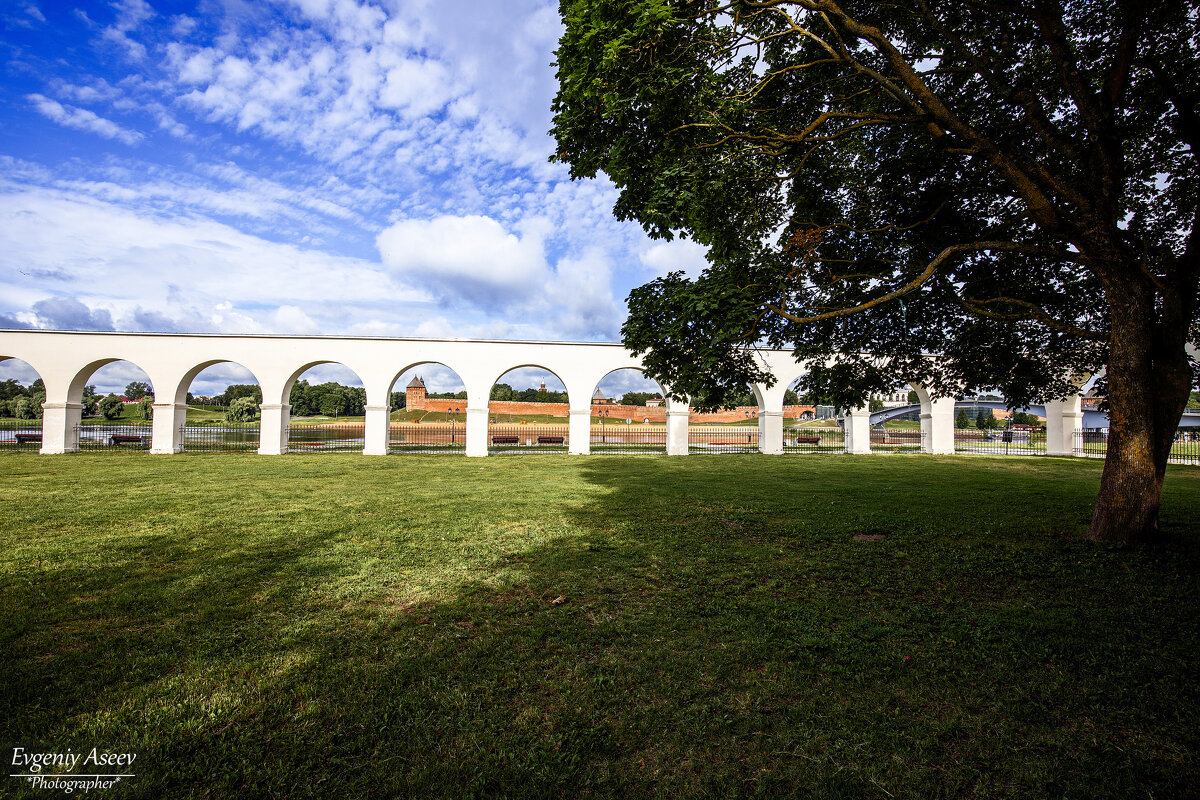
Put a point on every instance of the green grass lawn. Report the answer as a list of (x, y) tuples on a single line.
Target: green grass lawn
[(819, 626)]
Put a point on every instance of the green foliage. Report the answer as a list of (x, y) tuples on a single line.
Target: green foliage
[(242, 409), (145, 408), (329, 399), (875, 405), (1023, 418), (637, 398), (12, 388), (90, 401), (502, 391), (961, 420), (986, 419), (22, 408), (234, 391), (136, 390), (111, 407), (11, 391), (399, 400), (896, 180), (790, 398)]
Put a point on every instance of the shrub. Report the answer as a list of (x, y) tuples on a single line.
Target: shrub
[(111, 407), (146, 408), (22, 408), (243, 409)]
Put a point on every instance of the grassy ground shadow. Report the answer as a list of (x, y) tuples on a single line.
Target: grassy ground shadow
[(554, 626)]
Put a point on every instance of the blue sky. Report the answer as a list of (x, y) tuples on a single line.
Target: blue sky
[(301, 167)]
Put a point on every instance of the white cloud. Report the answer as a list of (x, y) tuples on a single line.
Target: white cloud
[(231, 281), (677, 254), (130, 15), (473, 258), (82, 119)]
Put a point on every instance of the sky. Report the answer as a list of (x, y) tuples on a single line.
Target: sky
[(328, 167)]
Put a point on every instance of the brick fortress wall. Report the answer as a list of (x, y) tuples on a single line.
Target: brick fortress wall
[(613, 410)]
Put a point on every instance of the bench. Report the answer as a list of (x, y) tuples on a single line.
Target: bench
[(550, 440), (506, 440), (29, 438), (808, 440), (122, 438)]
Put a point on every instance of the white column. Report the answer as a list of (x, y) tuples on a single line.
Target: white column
[(376, 432), (477, 431), (59, 427), (937, 426), (579, 434), (858, 430), (770, 432), (677, 432), (166, 436), (1064, 418), (273, 429)]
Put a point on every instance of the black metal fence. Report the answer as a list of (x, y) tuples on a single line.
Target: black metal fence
[(21, 435), (114, 437), (1185, 449), (897, 440), (345, 438), (629, 439), (227, 437), (1000, 442), (722, 439), (509, 439), (427, 437), (814, 440)]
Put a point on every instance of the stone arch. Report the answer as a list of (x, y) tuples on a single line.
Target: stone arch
[(422, 363), (177, 436), (534, 365), (185, 382), (516, 436), (7, 363), (937, 420), (85, 373), (647, 430), (14, 364), (438, 426), (321, 436), (284, 396), (22, 433), (667, 401)]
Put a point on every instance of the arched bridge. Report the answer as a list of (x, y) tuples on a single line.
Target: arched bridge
[(66, 360), (1091, 419)]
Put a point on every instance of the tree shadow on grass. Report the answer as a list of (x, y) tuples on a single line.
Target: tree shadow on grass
[(674, 627)]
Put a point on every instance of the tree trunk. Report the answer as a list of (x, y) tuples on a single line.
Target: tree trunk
[(1149, 378)]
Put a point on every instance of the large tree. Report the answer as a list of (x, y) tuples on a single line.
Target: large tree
[(969, 194)]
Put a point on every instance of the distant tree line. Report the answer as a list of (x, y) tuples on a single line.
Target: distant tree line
[(21, 402), (329, 399), (17, 400), (985, 419), (502, 391)]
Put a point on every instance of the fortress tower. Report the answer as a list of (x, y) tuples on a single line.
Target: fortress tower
[(414, 395)]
